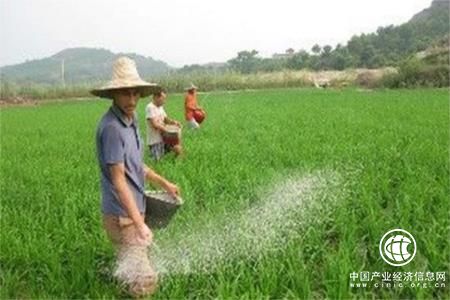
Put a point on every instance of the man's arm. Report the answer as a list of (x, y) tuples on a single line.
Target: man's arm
[(152, 122), (126, 197), (191, 106), (127, 200), (157, 179), (152, 115)]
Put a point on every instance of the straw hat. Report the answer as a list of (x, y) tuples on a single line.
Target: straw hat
[(125, 75), (190, 88)]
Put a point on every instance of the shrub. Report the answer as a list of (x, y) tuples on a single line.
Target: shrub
[(416, 73)]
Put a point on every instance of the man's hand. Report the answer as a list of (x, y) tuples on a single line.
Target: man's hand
[(153, 177), (172, 122), (172, 189), (144, 235)]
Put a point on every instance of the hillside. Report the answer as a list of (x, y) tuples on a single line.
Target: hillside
[(392, 43), (81, 65)]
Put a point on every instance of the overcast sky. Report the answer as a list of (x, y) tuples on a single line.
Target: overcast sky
[(186, 32)]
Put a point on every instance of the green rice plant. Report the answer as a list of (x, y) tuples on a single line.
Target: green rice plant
[(387, 151)]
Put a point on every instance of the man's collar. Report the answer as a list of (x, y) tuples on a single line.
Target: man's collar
[(122, 117)]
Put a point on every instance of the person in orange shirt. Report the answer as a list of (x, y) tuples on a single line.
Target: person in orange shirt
[(190, 106)]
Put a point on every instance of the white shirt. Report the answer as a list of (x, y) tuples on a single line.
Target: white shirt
[(156, 113)]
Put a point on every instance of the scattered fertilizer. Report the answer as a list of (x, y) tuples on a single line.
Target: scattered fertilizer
[(281, 213)]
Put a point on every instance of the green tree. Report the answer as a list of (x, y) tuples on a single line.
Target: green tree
[(245, 62), (316, 49), (327, 50), (298, 61)]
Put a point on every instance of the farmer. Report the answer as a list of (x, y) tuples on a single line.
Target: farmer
[(122, 172), (190, 106), (156, 126)]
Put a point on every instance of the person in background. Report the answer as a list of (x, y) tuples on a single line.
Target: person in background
[(122, 176), (190, 106), (157, 120)]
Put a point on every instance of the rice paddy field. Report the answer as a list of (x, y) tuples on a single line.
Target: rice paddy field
[(287, 192)]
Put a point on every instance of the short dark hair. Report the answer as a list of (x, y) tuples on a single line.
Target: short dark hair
[(159, 92)]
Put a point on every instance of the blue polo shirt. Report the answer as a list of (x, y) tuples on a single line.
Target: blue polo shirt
[(118, 141)]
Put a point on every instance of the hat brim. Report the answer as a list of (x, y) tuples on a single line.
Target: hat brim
[(144, 90), (191, 88)]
